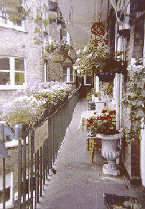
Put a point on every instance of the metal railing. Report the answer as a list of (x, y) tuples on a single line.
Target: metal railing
[(37, 156)]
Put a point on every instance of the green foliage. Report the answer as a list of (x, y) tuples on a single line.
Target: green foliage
[(96, 58), (29, 105), (135, 99), (108, 89), (19, 14), (60, 46)]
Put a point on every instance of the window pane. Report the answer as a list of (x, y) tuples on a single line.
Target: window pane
[(4, 64), (19, 64), (71, 78), (65, 71), (4, 78), (64, 78), (19, 78), (88, 79), (71, 71), (7, 195)]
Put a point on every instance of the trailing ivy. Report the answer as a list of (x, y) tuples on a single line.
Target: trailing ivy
[(135, 99)]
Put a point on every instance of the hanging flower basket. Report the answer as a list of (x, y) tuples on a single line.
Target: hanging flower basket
[(106, 76), (58, 52), (57, 56)]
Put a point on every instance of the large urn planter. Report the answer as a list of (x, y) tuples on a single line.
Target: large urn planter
[(110, 152)]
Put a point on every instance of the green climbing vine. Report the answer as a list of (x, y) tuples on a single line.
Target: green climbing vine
[(135, 99)]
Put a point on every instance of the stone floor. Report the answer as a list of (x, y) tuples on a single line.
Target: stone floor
[(78, 183)]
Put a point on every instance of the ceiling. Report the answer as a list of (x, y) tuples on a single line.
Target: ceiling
[(79, 15)]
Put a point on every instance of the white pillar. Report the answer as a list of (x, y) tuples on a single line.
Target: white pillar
[(97, 88), (121, 81), (117, 100), (97, 84), (119, 45), (12, 71)]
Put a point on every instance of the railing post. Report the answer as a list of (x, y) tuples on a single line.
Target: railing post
[(41, 171), (31, 174), (19, 171), (28, 169), (37, 176), (52, 125), (3, 155), (24, 173), (3, 170), (43, 166), (3, 183), (35, 179)]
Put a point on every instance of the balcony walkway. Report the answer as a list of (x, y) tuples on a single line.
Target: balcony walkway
[(78, 183)]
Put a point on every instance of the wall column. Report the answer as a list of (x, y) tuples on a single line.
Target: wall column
[(117, 100)]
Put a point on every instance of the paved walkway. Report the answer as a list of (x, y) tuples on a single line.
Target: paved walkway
[(78, 183)]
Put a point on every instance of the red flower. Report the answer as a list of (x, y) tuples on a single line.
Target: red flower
[(91, 121)]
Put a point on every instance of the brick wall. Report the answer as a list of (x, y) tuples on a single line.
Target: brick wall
[(138, 38), (54, 71)]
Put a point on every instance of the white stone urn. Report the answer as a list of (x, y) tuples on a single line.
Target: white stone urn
[(110, 152)]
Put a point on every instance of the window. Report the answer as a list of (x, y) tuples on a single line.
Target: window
[(87, 80), (8, 190), (11, 10), (12, 71), (68, 76)]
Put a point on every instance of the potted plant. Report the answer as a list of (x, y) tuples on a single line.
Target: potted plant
[(104, 128), (103, 124), (58, 51)]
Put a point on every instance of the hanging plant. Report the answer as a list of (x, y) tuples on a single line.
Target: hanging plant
[(58, 51), (96, 59), (135, 99), (60, 46)]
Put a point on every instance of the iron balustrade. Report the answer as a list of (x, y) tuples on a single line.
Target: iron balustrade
[(36, 158)]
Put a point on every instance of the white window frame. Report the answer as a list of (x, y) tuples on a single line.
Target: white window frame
[(12, 75), (68, 75), (9, 183), (85, 81), (6, 23)]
